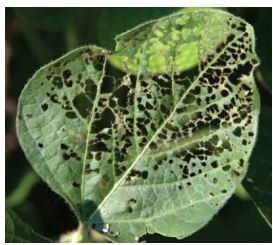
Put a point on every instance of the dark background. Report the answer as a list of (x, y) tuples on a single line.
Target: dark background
[(35, 36)]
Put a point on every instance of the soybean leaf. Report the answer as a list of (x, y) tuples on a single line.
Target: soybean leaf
[(147, 149), (17, 231), (259, 178)]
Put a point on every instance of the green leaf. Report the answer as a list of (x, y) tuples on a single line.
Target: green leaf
[(259, 178), (144, 149), (18, 231)]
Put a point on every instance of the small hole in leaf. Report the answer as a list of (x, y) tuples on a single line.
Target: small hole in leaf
[(71, 115), (76, 184), (44, 106), (226, 167), (66, 74), (63, 146), (144, 174), (214, 164)]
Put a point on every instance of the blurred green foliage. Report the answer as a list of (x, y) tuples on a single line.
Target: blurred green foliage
[(22, 190), (264, 45), (48, 19), (259, 183), (18, 231), (35, 36)]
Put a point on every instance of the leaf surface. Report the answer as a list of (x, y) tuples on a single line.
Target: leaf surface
[(19, 232), (147, 149)]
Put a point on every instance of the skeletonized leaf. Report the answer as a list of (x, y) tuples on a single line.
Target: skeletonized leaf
[(147, 148), (17, 231)]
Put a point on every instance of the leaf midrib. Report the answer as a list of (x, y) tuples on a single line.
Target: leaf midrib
[(89, 131)]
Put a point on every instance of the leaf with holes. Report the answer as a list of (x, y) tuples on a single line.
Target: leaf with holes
[(157, 146)]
